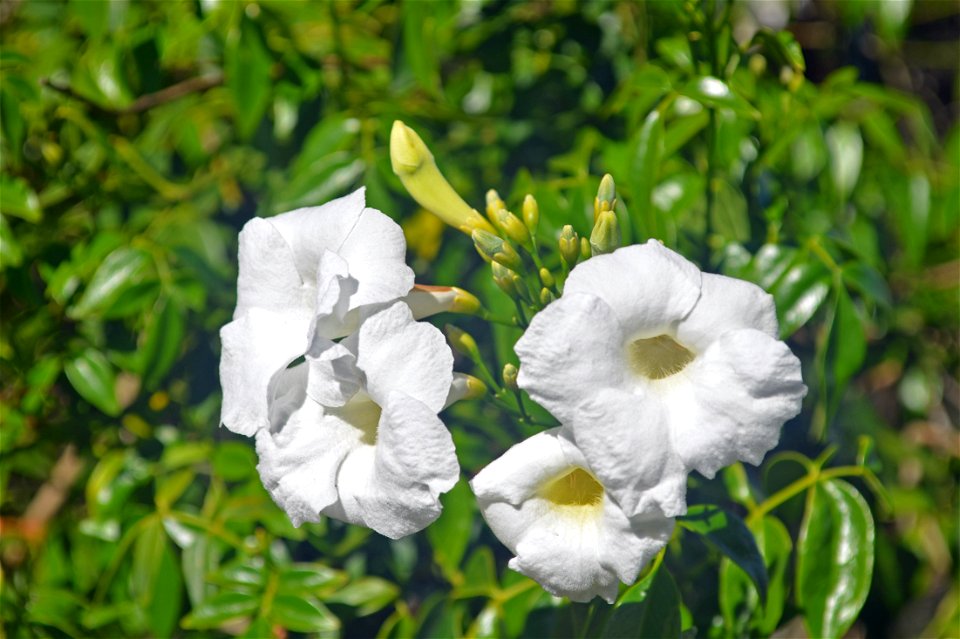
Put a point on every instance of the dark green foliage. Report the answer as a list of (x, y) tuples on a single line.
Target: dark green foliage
[(138, 137)]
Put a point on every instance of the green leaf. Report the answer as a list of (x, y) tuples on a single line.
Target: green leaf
[(162, 341), (729, 214), (449, 535), (94, 378), (367, 595), (846, 157), (120, 271), (644, 170), (848, 341), (654, 614), (312, 578), (799, 293), (234, 461), (730, 535), (715, 93), (244, 573), (781, 47), (221, 608), (419, 44), (248, 78), (834, 558), (738, 595), (303, 614), (869, 281), (18, 199)]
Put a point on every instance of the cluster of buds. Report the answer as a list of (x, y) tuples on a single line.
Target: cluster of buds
[(505, 240)]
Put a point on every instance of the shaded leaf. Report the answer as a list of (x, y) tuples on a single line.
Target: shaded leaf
[(94, 378)]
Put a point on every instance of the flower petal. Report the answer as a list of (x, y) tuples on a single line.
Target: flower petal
[(311, 231), (397, 353), (625, 439), (742, 389), (394, 486), (572, 347), (300, 461), (376, 251), (727, 304), (256, 346), (574, 553), (334, 376), (268, 277), (648, 286), (335, 289)]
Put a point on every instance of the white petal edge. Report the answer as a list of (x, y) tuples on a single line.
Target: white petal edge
[(727, 304)]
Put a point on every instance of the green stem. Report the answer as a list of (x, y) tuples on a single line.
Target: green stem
[(786, 494)]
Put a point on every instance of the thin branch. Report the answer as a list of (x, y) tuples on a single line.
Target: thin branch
[(144, 102)]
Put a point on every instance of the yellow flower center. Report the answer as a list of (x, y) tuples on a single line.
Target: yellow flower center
[(657, 357), (576, 492), (362, 413)]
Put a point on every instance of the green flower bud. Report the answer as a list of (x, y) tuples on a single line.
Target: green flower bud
[(606, 197), (461, 341), (569, 244), (585, 251), (531, 214), (510, 376), (605, 237), (510, 282), (546, 277), (546, 296), (512, 227), (495, 249)]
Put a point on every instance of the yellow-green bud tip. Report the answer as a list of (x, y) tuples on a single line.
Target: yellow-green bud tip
[(531, 214), (461, 341), (569, 245), (510, 376), (407, 151), (605, 237)]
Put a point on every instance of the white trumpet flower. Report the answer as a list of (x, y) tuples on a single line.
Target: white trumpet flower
[(354, 431), (659, 369), (542, 501), (305, 278)]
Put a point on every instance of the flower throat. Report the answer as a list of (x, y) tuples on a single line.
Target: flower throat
[(657, 357)]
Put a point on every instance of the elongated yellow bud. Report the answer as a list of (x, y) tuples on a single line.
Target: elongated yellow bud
[(414, 165), (461, 341), (546, 278), (425, 300), (510, 282), (464, 387), (569, 244), (585, 251), (531, 214), (546, 296), (606, 198), (494, 204), (512, 227), (494, 248), (605, 237), (510, 373)]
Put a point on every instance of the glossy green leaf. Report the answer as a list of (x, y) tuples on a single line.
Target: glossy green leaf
[(645, 168), (303, 614), (162, 342), (715, 93), (94, 378), (846, 156), (834, 558), (121, 271), (367, 595), (450, 533), (728, 534), (729, 214), (221, 608), (248, 78), (848, 340), (314, 578), (655, 614), (739, 602), (868, 281), (18, 199), (799, 293)]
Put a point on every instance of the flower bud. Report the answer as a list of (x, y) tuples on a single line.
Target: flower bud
[(494, 204), (606, 197), (510, 282), (531, 214), (461, 341), (464, 387), (605, 237), (512, 227), (569, 244), (546, 296), (546, 278), (495, 249), (585, 251), (413, 163), (425, 300), (510, 376)]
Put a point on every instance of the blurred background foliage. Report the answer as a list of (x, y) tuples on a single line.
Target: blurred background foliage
[(811, 147)]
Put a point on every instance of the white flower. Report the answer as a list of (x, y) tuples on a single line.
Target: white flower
[(305, 277), (354, 431), (544, 504), (659, 369)]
